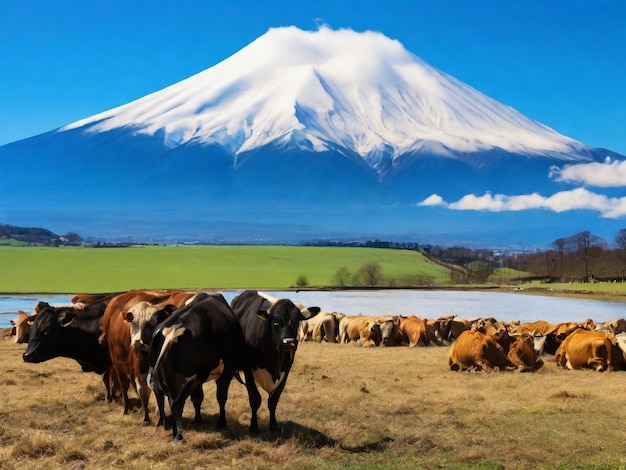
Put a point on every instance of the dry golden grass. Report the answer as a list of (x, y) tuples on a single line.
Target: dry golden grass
[(344, 407)]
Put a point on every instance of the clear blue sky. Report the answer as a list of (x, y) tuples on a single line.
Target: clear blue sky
[(562, 63)]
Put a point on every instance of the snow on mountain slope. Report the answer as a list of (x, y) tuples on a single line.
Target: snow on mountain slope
[(326, 89)]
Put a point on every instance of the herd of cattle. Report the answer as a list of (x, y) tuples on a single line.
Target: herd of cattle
[(170, 342)]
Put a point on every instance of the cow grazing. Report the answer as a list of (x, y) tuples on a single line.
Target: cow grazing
[(585, 349), (413, 331), (129, 365), (523, 355), (270, 328), (21, 326), (474, 350), (200, 341)]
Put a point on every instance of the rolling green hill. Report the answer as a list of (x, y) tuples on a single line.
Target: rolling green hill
[(81, 269)]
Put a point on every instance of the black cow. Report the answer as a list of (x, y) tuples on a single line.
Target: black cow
[(198, 342), (71, 332), (270, 328)]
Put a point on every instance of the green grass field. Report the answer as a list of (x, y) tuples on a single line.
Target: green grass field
[(75, 269)]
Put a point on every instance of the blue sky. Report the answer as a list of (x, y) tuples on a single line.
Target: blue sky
[(562, 63)]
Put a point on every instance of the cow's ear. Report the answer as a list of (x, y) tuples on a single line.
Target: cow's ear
[(67, 319), (169, 309), (310, 312), (263, 314)]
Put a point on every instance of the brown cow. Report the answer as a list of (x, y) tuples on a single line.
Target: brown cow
[(21, 326), (439, 329), (413, 331), (523, 355), (474, 350), (129, 364), (585, 349), (365, 330)]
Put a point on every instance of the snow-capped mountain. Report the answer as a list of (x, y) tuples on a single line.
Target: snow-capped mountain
[(332, 89), (333, 123)]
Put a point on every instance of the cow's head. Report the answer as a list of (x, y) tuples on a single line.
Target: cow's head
[(390, 334), (283, 319), (21, 326), (143, 319), (47, 334)]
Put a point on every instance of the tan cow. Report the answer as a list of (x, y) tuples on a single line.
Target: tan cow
[(413, 331), (522, 353), (474, 350), (323, 326), (585, 349), (365, 330), (21, 326)]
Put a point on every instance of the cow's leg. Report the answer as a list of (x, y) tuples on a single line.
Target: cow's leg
[(272, 403), (254, 397), (222, 385), (160, 399), (177, 413), (144, 394), (197, 396)]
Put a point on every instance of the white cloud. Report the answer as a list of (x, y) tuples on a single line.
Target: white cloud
[(433, 200), (610, 173), (576, 199)]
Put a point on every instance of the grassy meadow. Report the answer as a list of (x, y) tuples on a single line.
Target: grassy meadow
[(344, 406), (78, 269)]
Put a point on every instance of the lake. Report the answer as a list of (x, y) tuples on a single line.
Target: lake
[(423, 303)]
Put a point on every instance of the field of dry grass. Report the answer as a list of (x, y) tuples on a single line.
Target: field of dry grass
[(344, 407)]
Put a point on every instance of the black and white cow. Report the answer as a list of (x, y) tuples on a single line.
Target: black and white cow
[(198, 342), (270, 327)]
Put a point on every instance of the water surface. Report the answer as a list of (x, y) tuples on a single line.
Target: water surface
[(423, 303)]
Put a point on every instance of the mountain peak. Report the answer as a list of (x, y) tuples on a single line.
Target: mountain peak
[(316, 90)]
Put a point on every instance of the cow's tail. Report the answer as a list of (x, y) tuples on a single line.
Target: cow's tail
[(238, 377), (171, 334)]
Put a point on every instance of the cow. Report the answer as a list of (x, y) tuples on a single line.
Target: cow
[(413, 331), (129, 365), (389, 331), (201, 341), (21, 326), (69, 332), (439, 329), (270, 329), (615, 327), (365, 330), (497, 330), (474, 350), (585, 349), (323, 326), (457, 326), (522, 353)]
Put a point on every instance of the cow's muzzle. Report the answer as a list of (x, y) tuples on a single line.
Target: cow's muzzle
[(289, 344)]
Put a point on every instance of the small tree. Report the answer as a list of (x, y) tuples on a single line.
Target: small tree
[(342, 277), (302, 281), (371, 274)]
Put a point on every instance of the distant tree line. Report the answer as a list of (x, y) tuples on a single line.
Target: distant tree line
[(38, 236), (581, 257)]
